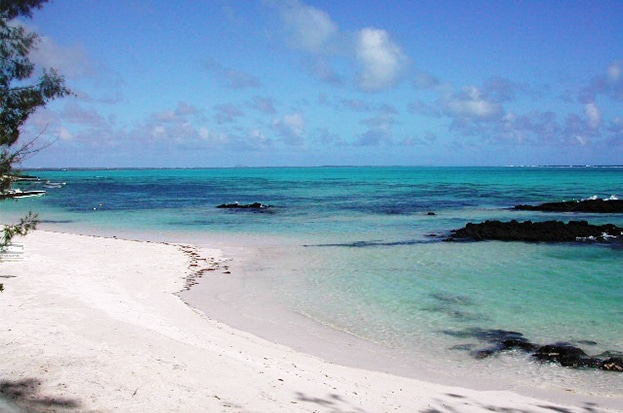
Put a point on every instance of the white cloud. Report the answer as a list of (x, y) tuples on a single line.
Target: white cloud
[(311, 29), (581, 140), (164, 116), (327, 138), (615, 72), (264, 104), (72, 62), (184, 109), (73, 113), (45, 123), (426, 81), (227, 112), (250, 140), (382, 60), (593, 115), (64, 134), (617, 124), (257, 138), (356, 105), (179, 115), (322, 69), (498, 89), (158, 132), (231, 78), (608, 84), (291, 128), (379, 131), (80, 70), (424, 108), (203, 133), (471, 105)]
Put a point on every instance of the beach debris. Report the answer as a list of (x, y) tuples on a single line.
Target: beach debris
[(592, 204), (548, 231), (200, 265), (565, 354)]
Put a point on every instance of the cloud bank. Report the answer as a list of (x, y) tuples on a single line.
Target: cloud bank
[(378, 62)]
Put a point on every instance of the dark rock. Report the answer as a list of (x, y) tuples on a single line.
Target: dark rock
[(489, 335), (501, 340), (564, 354), (466, 346), (431, 213), (587, 342), (236, 205), (497, 335), (520, 344), (505, 341), (482, 354), (548, 231), (612, 364), (589, 205)]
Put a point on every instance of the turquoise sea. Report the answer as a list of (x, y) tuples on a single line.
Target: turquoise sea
[(355, 249)]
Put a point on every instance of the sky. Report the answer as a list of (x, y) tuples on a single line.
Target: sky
[(224, 83)]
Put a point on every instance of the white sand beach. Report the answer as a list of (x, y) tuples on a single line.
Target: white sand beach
[(93, 324)]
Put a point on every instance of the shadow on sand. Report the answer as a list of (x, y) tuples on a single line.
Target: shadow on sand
[(24, 396), (448, 403)]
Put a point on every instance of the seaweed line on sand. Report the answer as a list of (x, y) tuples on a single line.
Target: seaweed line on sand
[(198, 265)]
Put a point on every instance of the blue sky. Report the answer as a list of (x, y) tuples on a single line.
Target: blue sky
[(223, 83)]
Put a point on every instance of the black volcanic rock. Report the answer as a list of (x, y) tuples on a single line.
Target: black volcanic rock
[(563, 354), (566, 355), (613, 364), (236, 205), (608, 206), (548, 231)]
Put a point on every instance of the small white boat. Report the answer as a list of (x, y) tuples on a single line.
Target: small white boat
[(18, 193), (54, 185)]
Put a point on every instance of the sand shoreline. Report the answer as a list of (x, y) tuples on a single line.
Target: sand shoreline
[(95, 324)]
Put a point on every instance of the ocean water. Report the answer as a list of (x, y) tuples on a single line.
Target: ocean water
[(355, 249)]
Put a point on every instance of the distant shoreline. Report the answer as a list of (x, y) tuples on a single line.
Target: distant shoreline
[(173, 168)]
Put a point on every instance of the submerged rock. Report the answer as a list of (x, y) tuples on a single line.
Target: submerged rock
[(548, 231), (564, 354), (595, 205), (500, 340)]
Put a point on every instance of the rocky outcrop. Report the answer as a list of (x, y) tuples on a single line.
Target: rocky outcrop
[(236, 205), (548, 231), (607, 206), (564, 354)]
